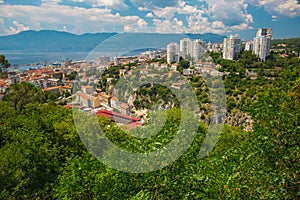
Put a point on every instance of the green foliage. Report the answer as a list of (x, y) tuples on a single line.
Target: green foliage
[(3, 62), (42, 156), (34, 148), (185, 64), (21, 94), (72, 75), (292, 44)]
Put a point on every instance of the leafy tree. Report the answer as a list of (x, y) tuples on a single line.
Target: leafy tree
[(185, 64), (3, 62), (21, 94), (72, 75)]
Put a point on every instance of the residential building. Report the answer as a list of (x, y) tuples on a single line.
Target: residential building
[(264, 32), (262, 43), (249, 46), (192, 50), (124, 108), (262, 47), (88, 89), (186, 47), (231, 47), (104, 98), (188, 72), (172, 53), (197, 50)]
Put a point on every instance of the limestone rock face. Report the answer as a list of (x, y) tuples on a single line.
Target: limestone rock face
[(240, 119)]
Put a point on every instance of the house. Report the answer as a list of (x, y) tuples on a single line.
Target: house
[(87, 100), (52, 82), (13, 78), (124, 108), (114, 102), (82, 98), (55, 90), (104, 98), (178, 85), (59, 89), (122, 72), (188, 72), (87, 89), (174, 66)]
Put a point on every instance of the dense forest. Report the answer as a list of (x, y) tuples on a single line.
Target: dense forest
[(42, 156)]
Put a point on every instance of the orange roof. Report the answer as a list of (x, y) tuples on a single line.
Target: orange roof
[(87, 87), (2, 82), (66, 87), (85, 96), (114, 98), (68, 106), (51, 88)]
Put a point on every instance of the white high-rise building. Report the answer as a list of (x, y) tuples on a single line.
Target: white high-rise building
[(185, 48), (249, 46), (192, 50), (198, 49), (172, 52), (231, 47), (262, 43), (264, 32)]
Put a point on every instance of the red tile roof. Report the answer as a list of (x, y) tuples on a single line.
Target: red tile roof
[(110, 114)]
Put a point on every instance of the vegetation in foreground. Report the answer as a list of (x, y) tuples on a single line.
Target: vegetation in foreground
[(42, 156)]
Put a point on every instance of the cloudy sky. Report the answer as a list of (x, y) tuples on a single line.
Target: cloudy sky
[(162, 16)]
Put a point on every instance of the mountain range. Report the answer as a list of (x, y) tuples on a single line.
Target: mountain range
[(56, 41)]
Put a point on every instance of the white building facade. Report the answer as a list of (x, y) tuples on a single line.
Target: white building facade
[(262, 43), (172, 53), (231, 47)]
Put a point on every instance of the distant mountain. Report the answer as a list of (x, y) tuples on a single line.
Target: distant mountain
[(56, 41), (49, 41)]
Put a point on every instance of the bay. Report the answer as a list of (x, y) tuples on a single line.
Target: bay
[(27, 57)]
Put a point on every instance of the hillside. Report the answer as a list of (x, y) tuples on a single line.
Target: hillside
[(47, 40), (290, 44)]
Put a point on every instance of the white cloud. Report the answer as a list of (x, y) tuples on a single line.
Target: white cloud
[(274, 18), (150, 15), (174, 16), (287, 8), (169, 26), (169, 12), (18, 27), (76, 19), (231, 13), (51, 1), (152, 4), (220, 16), (116, 4)]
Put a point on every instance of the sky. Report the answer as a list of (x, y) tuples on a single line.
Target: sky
[(222, 17)]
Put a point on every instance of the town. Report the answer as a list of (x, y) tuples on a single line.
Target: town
[(63, 79)]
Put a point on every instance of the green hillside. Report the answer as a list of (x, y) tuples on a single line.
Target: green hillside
[(42, 156)]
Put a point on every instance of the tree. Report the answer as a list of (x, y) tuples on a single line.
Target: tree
[(21, 94), (3, 62), (185, 64)]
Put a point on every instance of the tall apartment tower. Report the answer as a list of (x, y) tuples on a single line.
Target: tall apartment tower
[(231, 47), (185, 48), (264, 32), (192, 50), (262, 43), (172, 52), (198, 49), (249, 46)]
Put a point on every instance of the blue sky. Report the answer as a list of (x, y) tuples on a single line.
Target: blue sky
[(223, 17)]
